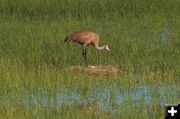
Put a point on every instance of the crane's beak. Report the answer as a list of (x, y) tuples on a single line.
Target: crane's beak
[(108, 48)]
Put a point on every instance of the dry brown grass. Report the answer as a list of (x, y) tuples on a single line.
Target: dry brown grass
[(98, 69)]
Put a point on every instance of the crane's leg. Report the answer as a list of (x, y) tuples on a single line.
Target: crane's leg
[(84, 53)]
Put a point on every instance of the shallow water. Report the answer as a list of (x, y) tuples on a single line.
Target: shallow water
[(104, 97)]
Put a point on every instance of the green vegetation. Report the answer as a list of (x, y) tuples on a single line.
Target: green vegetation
[(145, 40)]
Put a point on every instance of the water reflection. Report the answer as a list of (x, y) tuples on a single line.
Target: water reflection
[(104, 97)]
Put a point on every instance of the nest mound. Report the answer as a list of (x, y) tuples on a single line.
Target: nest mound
[(98, 69)]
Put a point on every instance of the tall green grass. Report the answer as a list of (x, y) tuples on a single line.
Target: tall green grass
[(81, 9), (144, 35)]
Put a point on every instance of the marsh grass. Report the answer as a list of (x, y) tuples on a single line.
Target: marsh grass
[(144, 35)]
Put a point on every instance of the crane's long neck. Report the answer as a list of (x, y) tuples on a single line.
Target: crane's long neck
[(101, 47)]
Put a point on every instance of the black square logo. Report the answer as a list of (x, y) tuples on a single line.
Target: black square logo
[(172, 111)]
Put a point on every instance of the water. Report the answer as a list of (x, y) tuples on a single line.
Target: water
[(104, 97), (165, 35)]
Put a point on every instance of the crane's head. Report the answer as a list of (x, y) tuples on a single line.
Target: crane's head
[(108, 48), (68, 37)]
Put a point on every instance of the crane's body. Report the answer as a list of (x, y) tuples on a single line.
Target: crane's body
[(86, 38)]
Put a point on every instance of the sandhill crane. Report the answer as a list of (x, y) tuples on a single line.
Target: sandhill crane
[(86, 38)]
